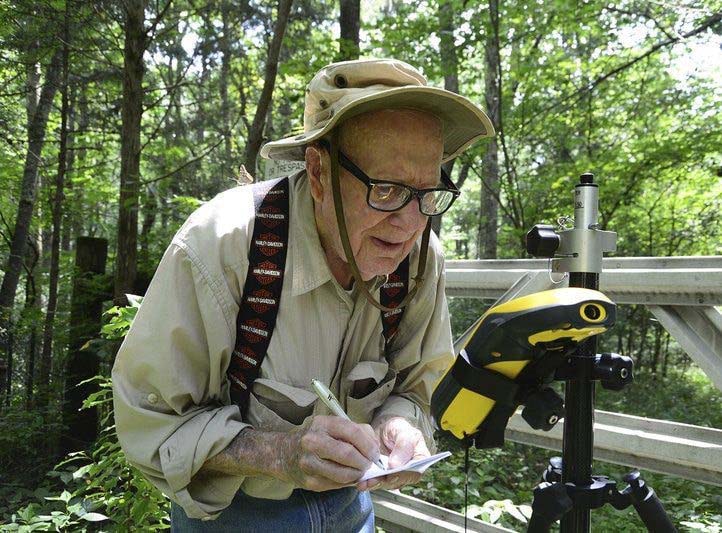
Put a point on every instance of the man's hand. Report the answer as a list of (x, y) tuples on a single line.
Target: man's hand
[(402, 442), (327, 452)]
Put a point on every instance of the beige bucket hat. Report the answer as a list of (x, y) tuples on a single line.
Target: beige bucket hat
[(342, 90)]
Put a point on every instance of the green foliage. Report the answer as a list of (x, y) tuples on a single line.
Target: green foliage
[(96, 487), (24, 443), (680, 397), (94, 491), (120, 319)]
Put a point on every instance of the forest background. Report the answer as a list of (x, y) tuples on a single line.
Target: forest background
[(118, 119)]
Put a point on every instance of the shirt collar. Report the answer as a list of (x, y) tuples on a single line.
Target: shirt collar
[(310, 269)]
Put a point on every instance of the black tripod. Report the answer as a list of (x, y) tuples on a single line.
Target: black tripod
[(570, 490)]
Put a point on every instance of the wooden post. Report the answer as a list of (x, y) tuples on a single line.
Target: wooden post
[(86, 308), (4, 374)]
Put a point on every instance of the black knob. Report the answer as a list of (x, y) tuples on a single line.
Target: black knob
[(614, 371), (587, 177), (543, 409), (542, 241)]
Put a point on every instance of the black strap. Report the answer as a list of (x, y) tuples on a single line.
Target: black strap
[(491, 432), (392, 293), (262, 290), (503, 390), (488, 383)]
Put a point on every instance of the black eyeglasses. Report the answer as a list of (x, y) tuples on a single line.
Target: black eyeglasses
[(391, 196)]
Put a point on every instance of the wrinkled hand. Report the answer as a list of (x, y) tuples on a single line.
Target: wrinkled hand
[(327, 452), (402, 442)]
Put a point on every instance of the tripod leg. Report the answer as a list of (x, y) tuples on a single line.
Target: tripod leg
[(648, 505), (551, 502)]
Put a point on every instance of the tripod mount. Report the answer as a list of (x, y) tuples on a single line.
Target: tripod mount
[(570, 491)]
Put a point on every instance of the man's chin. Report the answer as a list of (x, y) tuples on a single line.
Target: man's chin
[(383, 268)]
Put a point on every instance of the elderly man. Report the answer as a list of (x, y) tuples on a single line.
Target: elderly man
[(330, 274)]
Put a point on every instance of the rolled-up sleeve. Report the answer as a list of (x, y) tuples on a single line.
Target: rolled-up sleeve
[(170, 394), (421, 354)]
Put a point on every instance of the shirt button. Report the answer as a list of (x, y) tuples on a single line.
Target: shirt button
[(152, 397)]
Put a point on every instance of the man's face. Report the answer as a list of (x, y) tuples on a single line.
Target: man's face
[(404, 146)]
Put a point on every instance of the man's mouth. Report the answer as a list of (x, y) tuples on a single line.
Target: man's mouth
[(388, 245)]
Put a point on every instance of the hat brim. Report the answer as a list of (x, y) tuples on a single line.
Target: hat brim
[(463, 122)]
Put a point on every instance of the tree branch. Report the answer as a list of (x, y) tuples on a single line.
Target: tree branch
[(184, 165), (579, 93), (151, 29)]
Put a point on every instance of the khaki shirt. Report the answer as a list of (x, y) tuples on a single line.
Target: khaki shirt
[(171, 394)]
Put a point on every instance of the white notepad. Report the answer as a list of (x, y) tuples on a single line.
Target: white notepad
[(419, 465)]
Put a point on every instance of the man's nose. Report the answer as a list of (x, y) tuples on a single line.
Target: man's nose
[(410, 218)]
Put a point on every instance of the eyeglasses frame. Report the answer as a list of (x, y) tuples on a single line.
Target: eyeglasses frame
[(360, 175)]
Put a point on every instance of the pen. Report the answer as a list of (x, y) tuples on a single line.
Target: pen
[(331, 402)]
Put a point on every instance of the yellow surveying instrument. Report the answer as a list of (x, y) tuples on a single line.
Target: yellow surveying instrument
[(507, 357), (513, 352)]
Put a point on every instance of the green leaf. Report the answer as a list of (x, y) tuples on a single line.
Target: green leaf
[(80, 472), (64, 496), (134, 300), (474, 510), (94, 517), (77, 509), (27, 513), (510, 508)]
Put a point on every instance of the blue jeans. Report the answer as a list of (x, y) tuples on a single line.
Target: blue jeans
[(340, 511)]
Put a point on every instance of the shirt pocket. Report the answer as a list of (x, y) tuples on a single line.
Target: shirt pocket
[(277, 406), (372, 383)]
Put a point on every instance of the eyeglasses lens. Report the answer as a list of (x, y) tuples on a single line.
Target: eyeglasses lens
[(388, 197), (435, 202)]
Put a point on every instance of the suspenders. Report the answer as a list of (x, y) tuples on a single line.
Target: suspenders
[(261, 297), (262, 290)]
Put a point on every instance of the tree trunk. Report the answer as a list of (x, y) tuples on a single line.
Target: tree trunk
[(6, 373), (629, 327), (46, 356), (85, 321), (350, 22), (255, 135), (666, 355), (32, 84), (126, 266), (31, 313), (32, 305), (150, 209), (36, 140), (68, 218), (487, 240), (450, 68), (657, 348), (643, 340), (225, 49)]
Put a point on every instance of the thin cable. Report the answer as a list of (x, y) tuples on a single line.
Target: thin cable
[(466, 484), (549, 273)]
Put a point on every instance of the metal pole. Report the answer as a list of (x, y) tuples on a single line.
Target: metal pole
[(578, 443)]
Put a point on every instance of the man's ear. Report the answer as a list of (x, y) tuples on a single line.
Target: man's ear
[(316, 163)]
